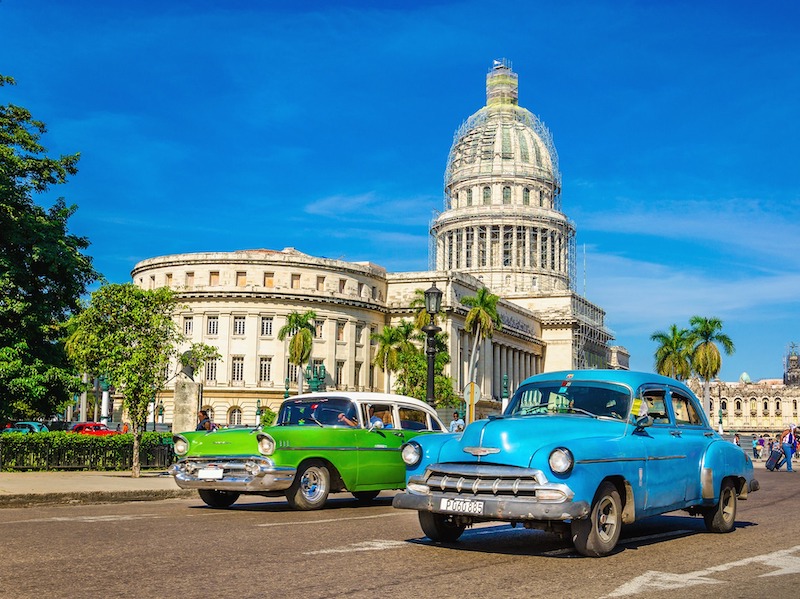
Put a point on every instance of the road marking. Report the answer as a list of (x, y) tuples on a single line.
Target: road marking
[(374, 545), (783, 562), (82, 519), (329, 520)]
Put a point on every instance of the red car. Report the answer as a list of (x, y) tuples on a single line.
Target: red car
[(92, 428)]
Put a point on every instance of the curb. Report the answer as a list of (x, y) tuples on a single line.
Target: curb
[(90, 497)]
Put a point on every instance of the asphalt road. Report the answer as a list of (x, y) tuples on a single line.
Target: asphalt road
[(261, 548)]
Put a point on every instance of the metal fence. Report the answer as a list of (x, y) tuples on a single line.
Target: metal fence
[(83, 458)]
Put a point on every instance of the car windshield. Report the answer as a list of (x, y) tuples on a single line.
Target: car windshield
[(323, 411), (591, 398)]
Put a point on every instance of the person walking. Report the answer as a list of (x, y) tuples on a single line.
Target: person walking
[(787, 443), (755, 448)]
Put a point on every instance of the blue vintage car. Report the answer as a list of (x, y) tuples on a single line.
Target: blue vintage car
[(579, 453)]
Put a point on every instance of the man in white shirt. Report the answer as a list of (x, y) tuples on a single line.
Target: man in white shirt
[(457, 423)]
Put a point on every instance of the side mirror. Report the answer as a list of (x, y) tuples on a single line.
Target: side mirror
[(644, 422)]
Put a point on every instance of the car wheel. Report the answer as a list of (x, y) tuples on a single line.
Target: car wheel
[(218, 498), (722, 517), (598, 534), (310, 488), (365, 496), (440, 528)]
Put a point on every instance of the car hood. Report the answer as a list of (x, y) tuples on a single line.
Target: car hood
[(515, 440)]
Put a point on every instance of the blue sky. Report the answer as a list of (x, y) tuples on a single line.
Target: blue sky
[(326, 126)]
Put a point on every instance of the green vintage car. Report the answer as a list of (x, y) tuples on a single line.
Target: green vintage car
[(320, 443)]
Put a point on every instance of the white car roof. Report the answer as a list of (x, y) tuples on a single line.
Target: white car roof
[(370, 397)]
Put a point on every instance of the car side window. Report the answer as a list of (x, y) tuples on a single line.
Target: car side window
[(656, 405), (381, 412), (685, 412), (413, 419)]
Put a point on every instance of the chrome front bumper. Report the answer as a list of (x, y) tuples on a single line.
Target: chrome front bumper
[(244, 474)]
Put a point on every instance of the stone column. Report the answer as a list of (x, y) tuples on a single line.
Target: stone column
[(186, 402)]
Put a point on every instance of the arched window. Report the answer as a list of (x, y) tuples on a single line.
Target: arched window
[(724, 404), (738, 405), (766, 406), (487, 195), (506, 195), (469, 197), (777, 406), (234, 416), (458, 198), (794, 405), (526, 196), (541, 198)]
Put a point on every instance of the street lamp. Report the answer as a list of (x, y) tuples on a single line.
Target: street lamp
[(258, 412), (433, 303)]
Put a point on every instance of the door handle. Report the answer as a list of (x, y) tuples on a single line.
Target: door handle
[(675, 433), (397, 434)]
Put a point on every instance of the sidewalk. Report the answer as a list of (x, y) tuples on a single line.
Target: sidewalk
[(21, 489)]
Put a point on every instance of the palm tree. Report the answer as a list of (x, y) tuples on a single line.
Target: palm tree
[(674, 352), (706, 333), (421, 316), (300, 328), (386, 353), (482, 321)]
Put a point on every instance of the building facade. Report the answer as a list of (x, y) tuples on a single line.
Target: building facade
[(502, 227)]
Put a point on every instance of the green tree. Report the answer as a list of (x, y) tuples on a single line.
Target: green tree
[(129, 335), (43, 271), (673, 355), (421, 315), (386, 353), (197, 355), (412, 368), (705, 334), (482, 321), (300, 330)]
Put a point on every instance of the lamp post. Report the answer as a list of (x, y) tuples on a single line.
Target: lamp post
[(433, 303), (258, 412)]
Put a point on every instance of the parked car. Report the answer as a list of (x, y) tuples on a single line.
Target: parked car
[(320, 443), (25, 427), (580, 453), (92, 428)]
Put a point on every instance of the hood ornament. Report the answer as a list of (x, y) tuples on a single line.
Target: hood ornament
[(481, 451)]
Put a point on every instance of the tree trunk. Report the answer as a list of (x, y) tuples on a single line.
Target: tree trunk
[(136, 467), (473, 359), (387, 384), (707, 401), (299, 379)]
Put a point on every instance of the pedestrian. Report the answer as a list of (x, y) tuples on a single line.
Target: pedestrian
[(456, 424), (736, 440), (125, 428), (761, 443), (755, 448), (203, 421), (787, 443)]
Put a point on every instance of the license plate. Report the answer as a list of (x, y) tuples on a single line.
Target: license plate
[(215, 473), (461, 506)]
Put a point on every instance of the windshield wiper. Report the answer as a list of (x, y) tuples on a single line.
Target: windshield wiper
[(582, 411), (313, 419)]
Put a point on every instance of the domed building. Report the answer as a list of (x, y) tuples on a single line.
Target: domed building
[(502, 227)]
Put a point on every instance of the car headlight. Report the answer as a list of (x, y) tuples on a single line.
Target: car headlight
[(266, 444), (561, 460), (411, 453), (181, 445)]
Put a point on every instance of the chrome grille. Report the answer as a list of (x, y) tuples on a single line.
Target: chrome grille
[(484, 480)]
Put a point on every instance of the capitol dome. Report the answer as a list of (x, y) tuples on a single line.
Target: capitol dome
[(502, 219)]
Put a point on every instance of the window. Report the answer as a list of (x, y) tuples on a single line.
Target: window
[(359, 333), (238, 325), (265, 369), (213, 325), (266, 326), (320, 283), (656, 407), (413, 419), (237, 368), (168, 279), (685, 410), (295, 281), (342, 283), (371, 377), (357, 374), (152, 282), (213, 278), (188, 325), (737, 405), (269, 279), (360, 289), (724, 405), (372, 330), (339, 331), (241, 279), (487, 195), (318, 324), (506, 195), (190, 279), (211, 372), (339, 373), (469, 197), (291, 371), (526, 196), (766, 407), (235, 416), (383, 412)]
